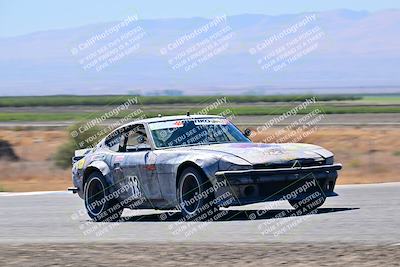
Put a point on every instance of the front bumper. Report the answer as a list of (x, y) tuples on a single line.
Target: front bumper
[(259, 185)]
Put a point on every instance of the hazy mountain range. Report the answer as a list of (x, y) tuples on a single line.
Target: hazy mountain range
[(358, 52)]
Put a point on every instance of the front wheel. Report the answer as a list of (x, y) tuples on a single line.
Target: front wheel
[(195, 195), (100, 206)]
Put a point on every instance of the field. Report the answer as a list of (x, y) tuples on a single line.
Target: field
[(239, 111), (379, 99), (77, 108), (368, 154), (69, 100)]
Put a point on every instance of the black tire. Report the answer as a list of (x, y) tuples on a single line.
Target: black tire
[(308, 206), (98, 207), (191, 183)]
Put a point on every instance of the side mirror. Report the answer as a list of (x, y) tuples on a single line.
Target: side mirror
[(247, 132), (140, 139)]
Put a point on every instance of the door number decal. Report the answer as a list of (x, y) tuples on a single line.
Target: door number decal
[(134, 184)]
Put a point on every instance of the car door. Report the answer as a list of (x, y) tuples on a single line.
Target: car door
[(136, 164)]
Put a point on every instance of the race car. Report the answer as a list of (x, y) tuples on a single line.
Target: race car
[(197, 164)]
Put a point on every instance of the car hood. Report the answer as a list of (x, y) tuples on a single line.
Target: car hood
[(259, 153)]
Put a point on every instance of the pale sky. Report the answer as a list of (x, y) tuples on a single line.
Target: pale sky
[(25, 16)]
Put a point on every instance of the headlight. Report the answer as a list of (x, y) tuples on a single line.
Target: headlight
[(329, 161), (231, 163), (323, 153)]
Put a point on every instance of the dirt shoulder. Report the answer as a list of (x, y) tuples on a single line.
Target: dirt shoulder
[(240, 254), (368, 155)]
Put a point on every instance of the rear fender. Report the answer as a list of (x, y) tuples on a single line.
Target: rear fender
[(99, 166)]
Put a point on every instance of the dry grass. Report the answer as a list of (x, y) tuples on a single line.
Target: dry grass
[(369, 155), (35, 170)]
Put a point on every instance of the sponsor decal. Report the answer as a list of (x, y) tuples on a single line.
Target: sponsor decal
[(181, 123), (119, 158), (165, 125), (150, 167), (178, 123), (80, 164), (274, 151), (150, 158), (96, 157), (210, 121)]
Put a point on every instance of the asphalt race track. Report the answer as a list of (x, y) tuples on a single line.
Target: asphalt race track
[(357, 228), (368, 214)]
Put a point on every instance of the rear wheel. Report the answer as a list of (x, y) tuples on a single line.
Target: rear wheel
[(194, 195), (100, 206)]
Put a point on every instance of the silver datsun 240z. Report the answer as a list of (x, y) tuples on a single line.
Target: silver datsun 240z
[(194, 164)]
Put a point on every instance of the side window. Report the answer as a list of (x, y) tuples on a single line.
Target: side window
[(113, 141), (129, 140), (137, 139)]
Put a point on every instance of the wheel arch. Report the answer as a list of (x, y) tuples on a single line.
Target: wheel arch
[(89, 170), (96, 166), (185, 165)]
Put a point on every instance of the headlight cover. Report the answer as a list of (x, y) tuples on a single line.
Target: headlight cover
[(329, 161), (323, 153), (232, 163)]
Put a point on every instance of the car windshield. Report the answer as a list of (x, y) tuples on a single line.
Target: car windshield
[(195, 131)]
